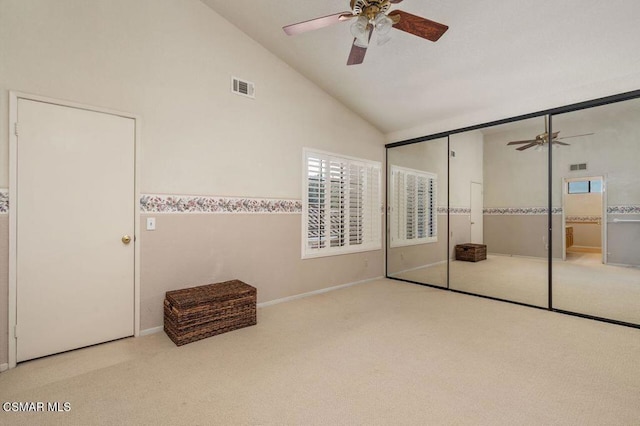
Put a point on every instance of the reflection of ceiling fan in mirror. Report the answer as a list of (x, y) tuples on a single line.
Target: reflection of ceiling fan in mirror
[(372, 15), (542, 140)]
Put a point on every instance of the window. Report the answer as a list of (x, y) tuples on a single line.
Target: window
[(585, 186), (414, 210), (341, 206)]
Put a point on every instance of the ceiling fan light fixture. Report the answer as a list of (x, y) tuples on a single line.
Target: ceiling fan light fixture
[(363, 42), (360, 31), (382, 23), (382, 39)]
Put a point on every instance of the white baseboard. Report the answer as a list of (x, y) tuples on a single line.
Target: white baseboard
[(584, 249), (556, 257), (420, 267), (158, 329), (152, 330), (623, 265), (4, 367), (313, 293)]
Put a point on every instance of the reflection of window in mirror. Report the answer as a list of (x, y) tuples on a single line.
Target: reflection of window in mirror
[(414, 207), (585, 186)]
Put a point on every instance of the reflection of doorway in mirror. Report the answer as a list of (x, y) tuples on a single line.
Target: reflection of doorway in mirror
[(476, 218), (584, 219)]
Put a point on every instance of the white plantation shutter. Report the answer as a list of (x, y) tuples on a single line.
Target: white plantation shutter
[(337, 202), (398, 205), (356, 203), (414, 210), (422, 219), (432, 230), (341, 206), (410, 206), (372, 217), (316, 211)]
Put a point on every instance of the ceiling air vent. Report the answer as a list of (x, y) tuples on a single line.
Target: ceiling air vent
[(243, 87), (576, 167)]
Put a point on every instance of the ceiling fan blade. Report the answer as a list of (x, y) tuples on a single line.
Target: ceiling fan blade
[(561, 143), (575, 136), (395, 1), (521, 142), (314, 24), (356, 56), (522, 148), (418, 26)]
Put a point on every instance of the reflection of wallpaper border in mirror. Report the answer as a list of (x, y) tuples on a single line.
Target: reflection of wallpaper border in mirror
[(414, 210)]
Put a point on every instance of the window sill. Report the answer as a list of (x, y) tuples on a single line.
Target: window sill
[(339, 252), (404, 243)]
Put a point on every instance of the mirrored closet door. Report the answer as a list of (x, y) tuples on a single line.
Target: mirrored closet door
[(417, 212), (541, 211), (499, 214), (596, 185)]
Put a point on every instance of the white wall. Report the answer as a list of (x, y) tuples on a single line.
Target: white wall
[(520, 106), (583, 204), (612, 151), (170, 62), (466, 166), (514, 178), (519, 178), (428, 156), (431, 156)]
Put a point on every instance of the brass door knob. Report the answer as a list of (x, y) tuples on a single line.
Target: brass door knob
[(126, 239)]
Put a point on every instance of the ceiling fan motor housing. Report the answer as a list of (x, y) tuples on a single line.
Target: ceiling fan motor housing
[(369, 8)]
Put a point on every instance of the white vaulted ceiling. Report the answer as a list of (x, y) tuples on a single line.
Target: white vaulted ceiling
[(508, 56)]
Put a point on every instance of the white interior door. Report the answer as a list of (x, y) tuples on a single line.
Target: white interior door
[(75, 188), (477, 218)]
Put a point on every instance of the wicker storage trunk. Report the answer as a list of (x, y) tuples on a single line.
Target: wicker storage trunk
[(471, 252), (195, 313)]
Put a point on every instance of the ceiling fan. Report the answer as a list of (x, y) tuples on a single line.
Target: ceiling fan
[(372, 15), (542, 140)]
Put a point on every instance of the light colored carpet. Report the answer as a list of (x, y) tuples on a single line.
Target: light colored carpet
[(381, 353), (581, 284), (435, 275)]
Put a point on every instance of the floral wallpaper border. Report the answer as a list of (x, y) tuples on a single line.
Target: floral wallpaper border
[(151, 203), (630, 209), (520, 210), (586, 219), (4, 201), (455, 210), (623, 209)]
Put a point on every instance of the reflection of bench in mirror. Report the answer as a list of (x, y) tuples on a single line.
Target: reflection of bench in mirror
[(470, 252)]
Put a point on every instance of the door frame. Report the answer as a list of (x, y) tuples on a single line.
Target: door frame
[(14, 96), (603, 220), (471, 207)]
